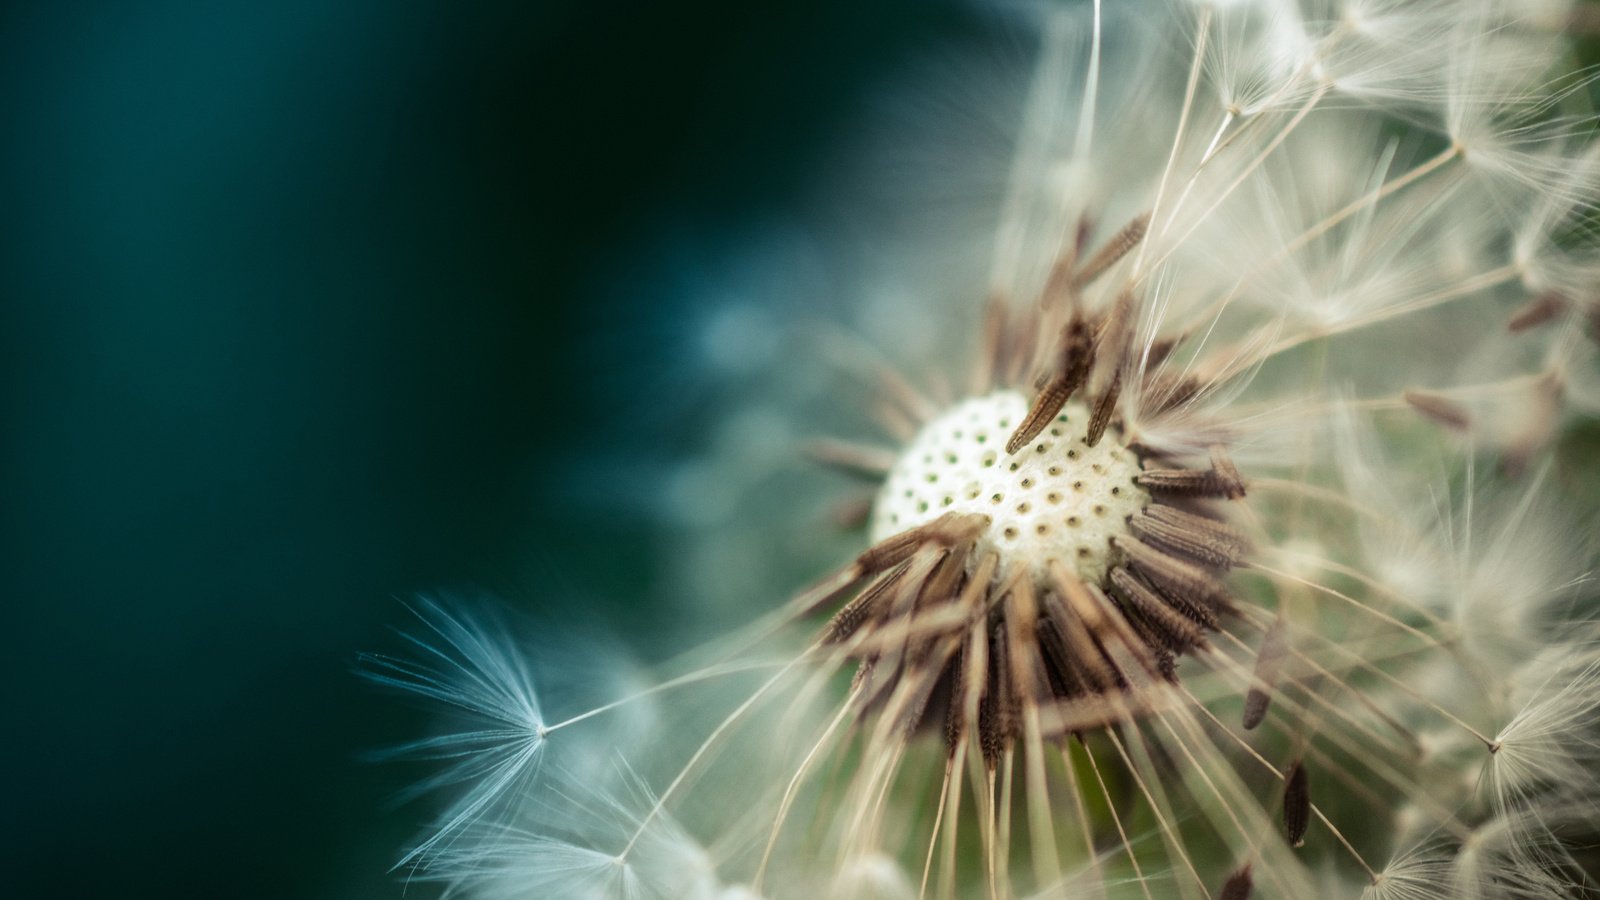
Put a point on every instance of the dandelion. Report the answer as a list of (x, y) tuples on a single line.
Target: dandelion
[(1224, 561)]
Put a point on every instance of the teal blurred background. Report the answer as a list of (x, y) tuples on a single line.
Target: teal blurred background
[(304, 314)]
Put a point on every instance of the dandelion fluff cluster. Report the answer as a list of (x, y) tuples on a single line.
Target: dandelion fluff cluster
[(1210, 540)]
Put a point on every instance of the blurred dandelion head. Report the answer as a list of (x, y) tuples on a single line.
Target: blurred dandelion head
[(1223, 547)]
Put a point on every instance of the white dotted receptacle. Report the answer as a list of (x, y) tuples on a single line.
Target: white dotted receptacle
[(1056, 498)]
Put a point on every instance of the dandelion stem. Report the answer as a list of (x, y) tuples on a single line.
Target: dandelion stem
[(1363, 663), (703, 675), (1085, 830), (1002, 862), (1254, 754), (1091, 93), (1159, 808), (1331, 592), (1248, 170), (1464, 288), (1450, 154), (936, 830), (794, 784), (1116, 820), (704, 748), (1375, 765), (1041, 833), (1203, 29)]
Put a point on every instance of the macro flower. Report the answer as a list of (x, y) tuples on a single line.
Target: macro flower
[(1218, 539)]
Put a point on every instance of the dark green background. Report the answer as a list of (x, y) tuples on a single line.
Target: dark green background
[(304, 313)]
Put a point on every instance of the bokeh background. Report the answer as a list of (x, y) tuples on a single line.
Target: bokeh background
[(307, 309), (311, 306)]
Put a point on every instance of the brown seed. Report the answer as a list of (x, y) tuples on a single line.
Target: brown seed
[(1221, 480), (1238, 885), (994, 714), (864, 607), (1202, 540), (1296, 804), (1074, 357), (1113, 250), (1051, 398), (1167, 390), (1083, 653), (1537, 311), (954, 727), (1176, 632), (948, 530), (1104, 406), (852, 458), (1111, 344), (1064, 680), (1029, 684), (1441, 410), (1228, 475), (1186, 585), (1269, 662), (990, 344), (911, 700), (967, 692)]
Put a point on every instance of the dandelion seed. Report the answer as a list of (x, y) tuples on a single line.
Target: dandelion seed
[(471, 668), (1296, 805)]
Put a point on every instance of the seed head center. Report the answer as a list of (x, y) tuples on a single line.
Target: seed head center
[(1057, 498)]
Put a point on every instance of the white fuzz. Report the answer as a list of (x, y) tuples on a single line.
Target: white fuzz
[(1058, 499), (1547, 745), (480, 677), (1423, 874), (1522, 855), (569, 844), (875, 877)]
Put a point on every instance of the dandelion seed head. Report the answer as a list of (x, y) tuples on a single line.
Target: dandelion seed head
[(1205, 543), (1057, 499)]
